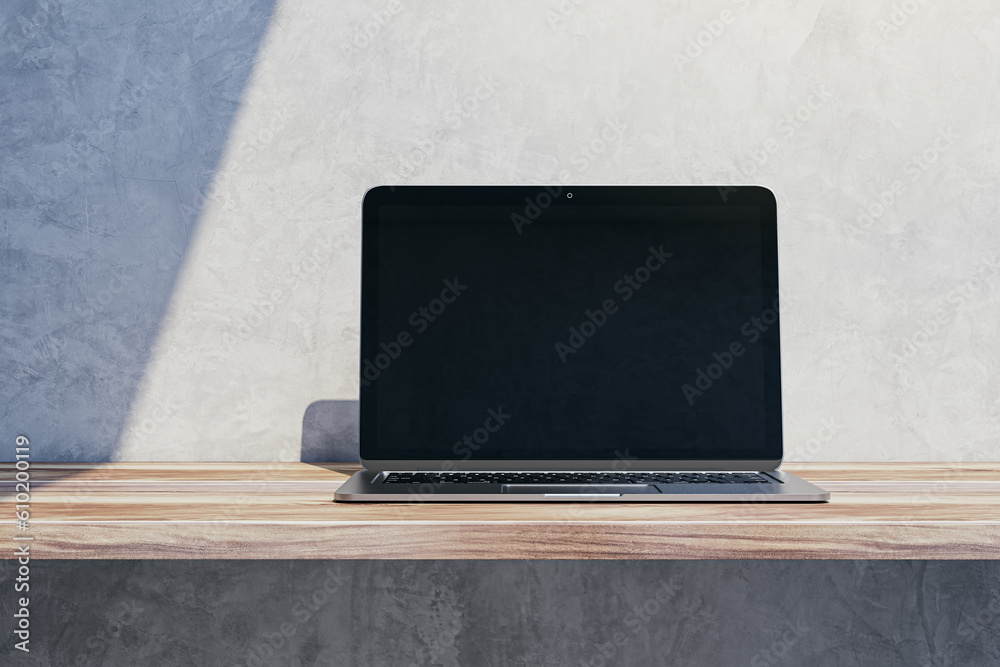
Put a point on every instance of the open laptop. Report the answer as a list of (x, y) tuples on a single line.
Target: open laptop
[(591, 343)]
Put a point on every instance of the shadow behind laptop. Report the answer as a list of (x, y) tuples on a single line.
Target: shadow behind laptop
[(330, 432)]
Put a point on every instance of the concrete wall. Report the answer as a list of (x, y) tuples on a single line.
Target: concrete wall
[(180, 187), (499, 613)]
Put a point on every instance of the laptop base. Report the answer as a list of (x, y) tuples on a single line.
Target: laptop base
[(367, 486)]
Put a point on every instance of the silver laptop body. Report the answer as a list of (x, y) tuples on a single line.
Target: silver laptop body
[(568, 344)]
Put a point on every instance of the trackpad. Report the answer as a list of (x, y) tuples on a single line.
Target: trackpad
[(579, 490)]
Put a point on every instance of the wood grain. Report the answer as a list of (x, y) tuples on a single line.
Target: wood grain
[(285, 510)]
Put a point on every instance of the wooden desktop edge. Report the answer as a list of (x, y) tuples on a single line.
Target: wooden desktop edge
[(284, 510)]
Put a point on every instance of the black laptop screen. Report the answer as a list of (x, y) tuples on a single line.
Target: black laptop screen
[(581, 330)]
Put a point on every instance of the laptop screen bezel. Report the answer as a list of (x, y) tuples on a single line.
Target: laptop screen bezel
[(520, 199)]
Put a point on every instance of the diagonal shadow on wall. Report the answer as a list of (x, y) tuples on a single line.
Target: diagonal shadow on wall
[(115, 115)]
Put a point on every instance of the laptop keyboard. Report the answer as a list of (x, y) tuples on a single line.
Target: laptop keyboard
[(575, 478)]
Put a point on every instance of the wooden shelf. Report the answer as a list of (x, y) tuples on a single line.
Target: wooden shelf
[(286, 510)]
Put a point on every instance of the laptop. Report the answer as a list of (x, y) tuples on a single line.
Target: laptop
[(570, 343)]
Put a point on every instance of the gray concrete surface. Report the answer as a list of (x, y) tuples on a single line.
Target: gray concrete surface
[(115, 115), (446, 613), (180, 188)]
